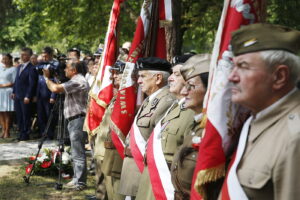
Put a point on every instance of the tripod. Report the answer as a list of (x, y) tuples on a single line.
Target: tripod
[(61, 133)]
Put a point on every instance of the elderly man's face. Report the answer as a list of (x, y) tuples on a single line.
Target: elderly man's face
[(176, 81), (252, 81), (194, 92), (147, 81)]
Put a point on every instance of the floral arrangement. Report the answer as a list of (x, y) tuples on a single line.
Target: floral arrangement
[(47, 163)]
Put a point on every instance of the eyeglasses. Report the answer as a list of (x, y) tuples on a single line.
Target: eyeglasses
[(190, 87)]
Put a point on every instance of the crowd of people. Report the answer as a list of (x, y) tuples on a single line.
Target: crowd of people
[(162, 145)]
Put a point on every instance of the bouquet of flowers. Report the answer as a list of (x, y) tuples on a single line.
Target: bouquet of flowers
[(47, 163)]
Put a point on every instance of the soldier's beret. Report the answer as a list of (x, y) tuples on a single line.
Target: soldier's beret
[(119, 66), (196, 65), (260, 37), (98, 52), (181, 59), (153, 63)]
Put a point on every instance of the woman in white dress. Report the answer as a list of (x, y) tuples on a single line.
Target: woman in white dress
[(7, 79)]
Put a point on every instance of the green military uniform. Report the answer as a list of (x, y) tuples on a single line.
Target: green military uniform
[(102, 134), (184, 162), (179, 123), (111, 168), (151, 111)]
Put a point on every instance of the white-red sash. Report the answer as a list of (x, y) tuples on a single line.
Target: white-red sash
[(232, 186), (159, 172), (137, 145)]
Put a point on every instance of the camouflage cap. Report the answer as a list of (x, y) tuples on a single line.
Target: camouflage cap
[(196, 65), (260, 37)]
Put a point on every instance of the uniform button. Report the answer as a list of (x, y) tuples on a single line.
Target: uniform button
[(194, 156), (250, 181), (291, 116)]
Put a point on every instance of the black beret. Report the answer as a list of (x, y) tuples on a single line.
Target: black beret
[(98, 52), (260, 37), (181, 59), (153, 63), (119, 66)]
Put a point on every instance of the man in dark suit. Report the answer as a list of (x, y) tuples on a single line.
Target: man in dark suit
[(45, 98), (23, 92)]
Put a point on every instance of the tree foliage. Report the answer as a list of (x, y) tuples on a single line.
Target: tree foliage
[(83, 23)]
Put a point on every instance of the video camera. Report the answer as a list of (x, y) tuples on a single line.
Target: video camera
[(47, 65), (56, 69)]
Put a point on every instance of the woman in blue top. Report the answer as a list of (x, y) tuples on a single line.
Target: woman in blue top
[(7, 79)]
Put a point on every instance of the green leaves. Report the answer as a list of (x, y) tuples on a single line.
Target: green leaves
[(83, 23)]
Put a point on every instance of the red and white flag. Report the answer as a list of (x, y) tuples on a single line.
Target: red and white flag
[(101, 92), (220, 111), (124, 109)]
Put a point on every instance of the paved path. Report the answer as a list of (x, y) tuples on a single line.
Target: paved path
[(17, 151)]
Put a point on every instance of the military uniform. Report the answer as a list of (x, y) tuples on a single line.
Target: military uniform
[(269, 168), (150, 112), (178, 124), (111, 168), (99, 153), (184, 161)]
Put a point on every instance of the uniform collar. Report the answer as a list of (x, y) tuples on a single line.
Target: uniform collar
[(269, 109), (273, 113), (198, 117), (152, 96)]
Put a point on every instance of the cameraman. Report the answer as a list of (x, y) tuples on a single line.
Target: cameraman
[(76, 94), (45, 98)]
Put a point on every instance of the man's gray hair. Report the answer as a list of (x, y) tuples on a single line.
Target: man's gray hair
[(281, 57), (165, 75)]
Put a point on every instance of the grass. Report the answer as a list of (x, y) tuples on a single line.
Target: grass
[(13, 187)]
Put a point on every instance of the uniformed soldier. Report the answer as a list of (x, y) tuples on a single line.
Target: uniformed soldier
[(152, 78), (264, 76), (103, 141), (112, 162), (176, 124), (195, 73)]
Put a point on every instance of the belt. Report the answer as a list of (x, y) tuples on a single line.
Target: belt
[(109, 145), (75, 117), (127, 152), (181, 196)]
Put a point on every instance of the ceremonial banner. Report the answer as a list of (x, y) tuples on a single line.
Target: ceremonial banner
[(146, 32), (101, 92), (220, 111)]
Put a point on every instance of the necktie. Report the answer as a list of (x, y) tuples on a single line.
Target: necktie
[(21, 69)]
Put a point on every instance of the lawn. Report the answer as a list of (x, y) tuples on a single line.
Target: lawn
[(13, 187)]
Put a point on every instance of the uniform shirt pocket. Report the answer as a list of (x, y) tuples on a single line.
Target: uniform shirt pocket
[(143, 122), (254, 179)]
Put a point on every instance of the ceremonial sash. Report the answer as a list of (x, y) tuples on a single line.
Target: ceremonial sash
[(232, 188), (137, 145), (159, 172)]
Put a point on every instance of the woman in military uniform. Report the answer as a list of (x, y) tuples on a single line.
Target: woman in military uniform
[(195, 73)]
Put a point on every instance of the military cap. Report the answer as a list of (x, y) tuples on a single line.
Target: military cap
[(98, 52), (195, 66), (119, 66), (260, 37), (153, 63), (181, 59)]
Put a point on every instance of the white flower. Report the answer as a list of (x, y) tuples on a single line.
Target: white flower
[(42, 158), (66, 158)]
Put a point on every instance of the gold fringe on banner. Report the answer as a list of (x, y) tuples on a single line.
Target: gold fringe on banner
[(207, 176)]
